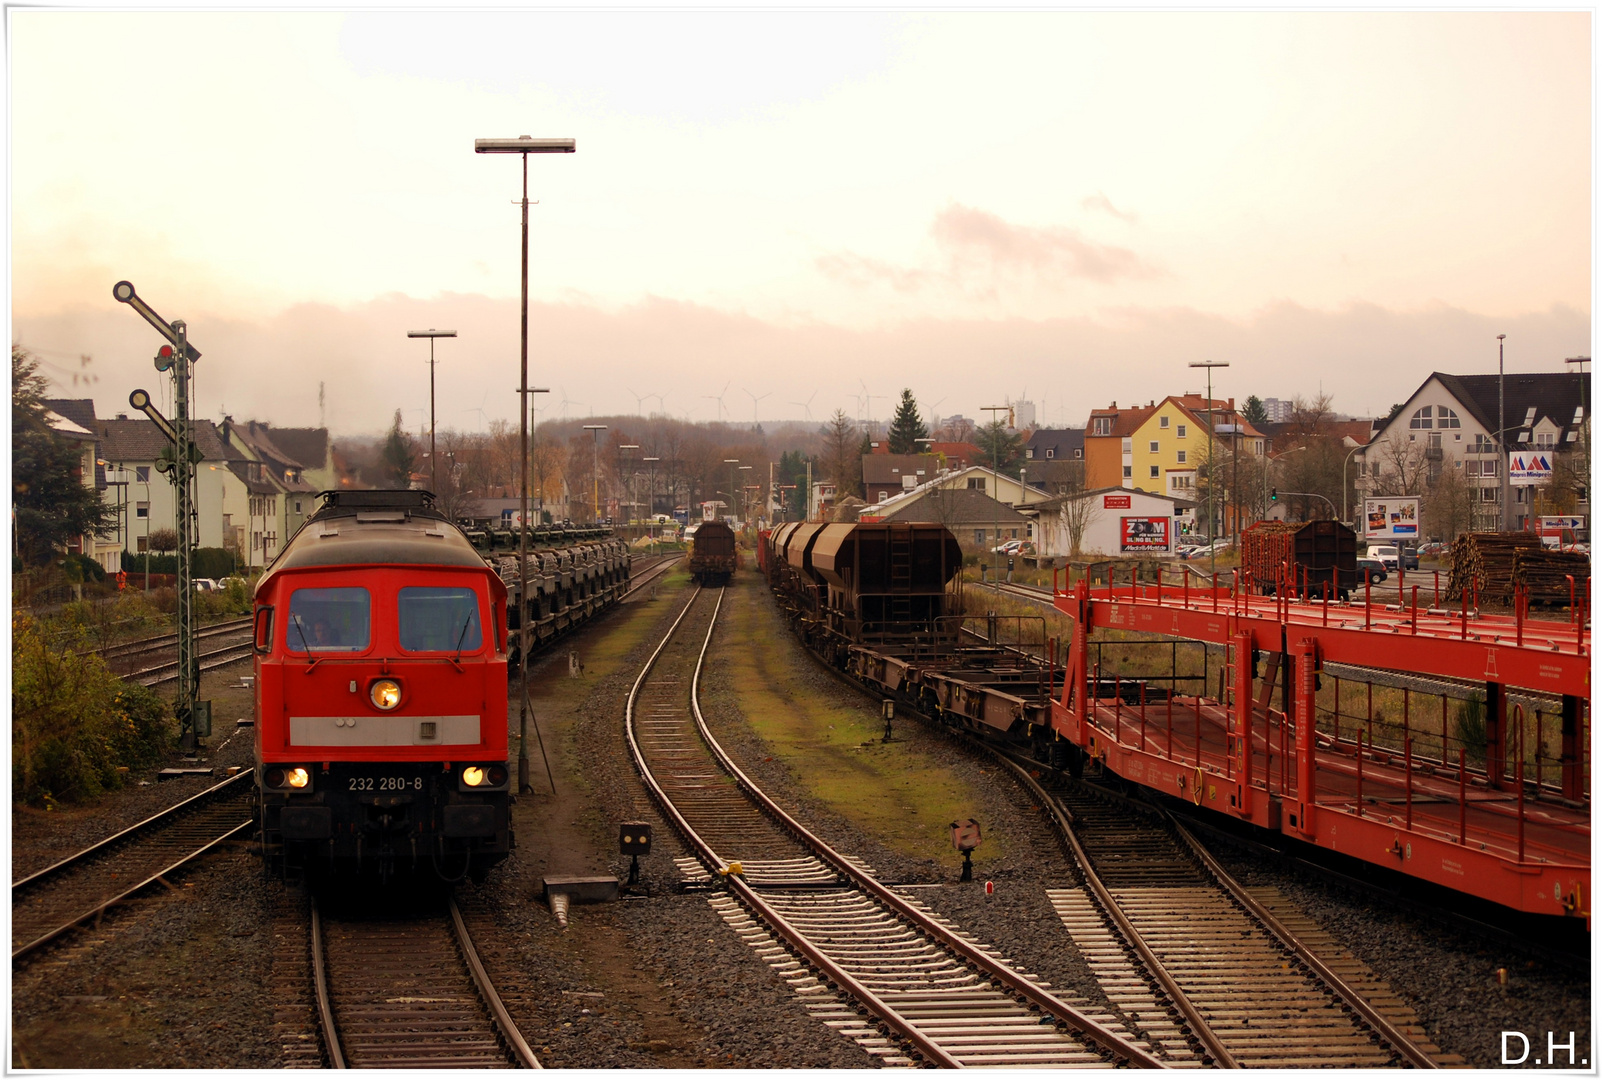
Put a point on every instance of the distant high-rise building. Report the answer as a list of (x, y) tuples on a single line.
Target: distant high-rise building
[(1023, 414), (1276, 411)]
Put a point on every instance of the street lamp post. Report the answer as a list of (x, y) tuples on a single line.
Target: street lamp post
[(995, 472), (1346, 502), (525, 146), (745, 500), (1212, 554), (650, 500), (734, 477), (431, 334), (1501, 431), (595, 467), (1585, 422)]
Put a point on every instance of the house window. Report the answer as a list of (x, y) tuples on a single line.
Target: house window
[(1051, 452), (1422, 418), (142, 473), (297, 506), (1162, 421), (1545, 440), (1180, 431), (1488, 494), (976, 483), (1435, 440), (1446, 418), (1030, 453), (1128, 471), (141, 510), (1154, 446), (1483, 445), (978, 536), (1079, 453), (1129, 446), (1182, 457), (1101, 425), (1155, 472), (883, 495)]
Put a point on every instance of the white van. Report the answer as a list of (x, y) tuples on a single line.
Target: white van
[(1387, 555)]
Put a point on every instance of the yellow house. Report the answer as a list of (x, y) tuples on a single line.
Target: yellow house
[(1171, 444)]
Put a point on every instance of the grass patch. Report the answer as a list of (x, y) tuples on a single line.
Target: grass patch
[(898, 792)]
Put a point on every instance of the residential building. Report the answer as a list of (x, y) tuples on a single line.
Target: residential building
[(1450, 422), (1056, 444), (1111, 522), (275, 513), (884, 475), (1276, 411), (978, 521), (1109, 444), (1170, 444), (74, 421), (145, 495)]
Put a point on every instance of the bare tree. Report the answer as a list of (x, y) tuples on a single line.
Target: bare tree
[(1078, 514), (1449, 505), (840, 444), (1402, 468)]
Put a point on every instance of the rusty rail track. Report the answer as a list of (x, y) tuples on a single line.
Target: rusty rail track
[(944, 998), (47, 904), (409, 993)]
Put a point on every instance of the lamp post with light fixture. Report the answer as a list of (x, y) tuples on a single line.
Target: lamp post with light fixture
[(595, 467), (431, 334), (525, 146), (1212, 537)]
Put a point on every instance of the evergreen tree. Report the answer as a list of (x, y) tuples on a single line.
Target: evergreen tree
[(1253, 410), (999, 448), (907, 426), (50, 503), (399, 456)]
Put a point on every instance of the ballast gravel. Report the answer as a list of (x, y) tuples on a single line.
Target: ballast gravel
[(182, 978)]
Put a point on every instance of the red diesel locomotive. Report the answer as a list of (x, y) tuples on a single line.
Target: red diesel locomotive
[(381, 735)]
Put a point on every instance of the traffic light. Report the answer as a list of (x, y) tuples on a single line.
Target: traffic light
[(1273, 495)]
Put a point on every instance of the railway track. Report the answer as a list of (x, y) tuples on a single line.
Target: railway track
[(650, 573), (162, 642), (408, 991), (49, 903), (824, 920), (1184, 946)]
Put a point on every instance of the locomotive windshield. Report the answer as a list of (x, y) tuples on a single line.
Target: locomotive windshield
[(328, 620), (439, 620)]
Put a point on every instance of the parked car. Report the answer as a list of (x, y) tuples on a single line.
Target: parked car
[(1433, 549), (1011, 547), (1408, 558), (1372, 569), (1387, 555), (206, 584)]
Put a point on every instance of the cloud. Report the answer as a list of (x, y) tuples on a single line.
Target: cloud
[(857, 269), (1099, 201), (1365, 355), (1052, 249)]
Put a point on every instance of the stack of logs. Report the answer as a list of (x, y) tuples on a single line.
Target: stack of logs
[(1494, 562), (1544, 575)]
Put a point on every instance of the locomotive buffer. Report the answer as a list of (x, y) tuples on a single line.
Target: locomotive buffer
[(194, 716)]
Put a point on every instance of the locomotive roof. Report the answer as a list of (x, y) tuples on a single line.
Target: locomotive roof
[(365, 528)]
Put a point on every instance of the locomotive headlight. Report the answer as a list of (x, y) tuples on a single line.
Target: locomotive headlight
[(299, 778), (385, 694), (472, 776)]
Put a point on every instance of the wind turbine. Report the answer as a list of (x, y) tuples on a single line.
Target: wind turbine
[(807, 405), (867, 397), (719, 398), (755, 423), (639, 400), (480, 410)]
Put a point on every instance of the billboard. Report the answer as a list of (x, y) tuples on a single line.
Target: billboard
[(1391, 519), (1143, 533), (1529, 468)]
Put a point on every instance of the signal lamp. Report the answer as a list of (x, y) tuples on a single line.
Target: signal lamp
[(385, 694), (473, 776), (275, 778), (299, 778)]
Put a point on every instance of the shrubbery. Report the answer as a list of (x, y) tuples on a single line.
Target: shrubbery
[(206, 562), (73, 723)]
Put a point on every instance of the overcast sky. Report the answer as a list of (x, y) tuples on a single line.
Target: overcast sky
[(798, 211)]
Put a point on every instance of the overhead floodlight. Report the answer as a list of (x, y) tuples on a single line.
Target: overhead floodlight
[(524, 145)]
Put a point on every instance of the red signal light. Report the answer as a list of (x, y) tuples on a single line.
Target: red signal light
[(166, 351)]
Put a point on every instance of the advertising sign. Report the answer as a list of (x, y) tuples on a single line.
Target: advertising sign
[(1393, 518), (1115, 502), (1554, 524), (1530, 468), (1143, 533)]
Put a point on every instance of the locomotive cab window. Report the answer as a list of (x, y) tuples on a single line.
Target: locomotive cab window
[(328, 620), (435, 619)]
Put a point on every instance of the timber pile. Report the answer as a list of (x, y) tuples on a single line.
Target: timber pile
[(1544, 574), (1488, 557)]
